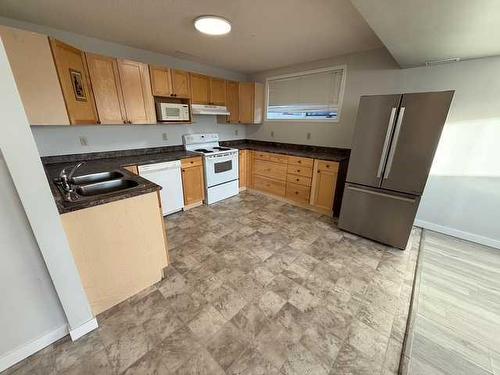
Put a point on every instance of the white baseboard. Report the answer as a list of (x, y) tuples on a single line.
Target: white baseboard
[(11, 358), (83, 329), (458, 233)]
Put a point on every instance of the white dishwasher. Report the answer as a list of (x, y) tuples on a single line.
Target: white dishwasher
[(168, 176)]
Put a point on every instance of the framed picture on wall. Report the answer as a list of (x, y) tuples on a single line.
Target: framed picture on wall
[(77, 81)]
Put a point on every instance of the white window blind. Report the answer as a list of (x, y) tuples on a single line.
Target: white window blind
[(305, 96)]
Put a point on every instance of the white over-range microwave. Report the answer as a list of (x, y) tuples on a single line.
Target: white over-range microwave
[(166, 111)]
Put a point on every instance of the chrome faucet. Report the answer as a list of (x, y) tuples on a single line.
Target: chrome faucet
[(65, 178)]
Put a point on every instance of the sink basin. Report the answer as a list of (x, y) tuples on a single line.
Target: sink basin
[(105, 187), (96, 177)]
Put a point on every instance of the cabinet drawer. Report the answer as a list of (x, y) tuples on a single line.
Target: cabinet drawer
[(270, 169), (300, 171), (331, 166), (269, 186), (299, 180), (268, 156), (298, 193), (191, 162), (298, 161)]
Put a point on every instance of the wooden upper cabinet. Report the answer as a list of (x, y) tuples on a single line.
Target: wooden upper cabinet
[(137, 95), (181, 84), (73, 76), (251, 103), (217, 91), (232, 103), (107, 88), (200, 89), (35, 74), (161, 83)]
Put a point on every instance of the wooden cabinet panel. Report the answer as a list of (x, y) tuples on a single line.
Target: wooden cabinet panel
[(161, 84), (181, 86), (246, 102), (270, 169), (217, 91), (300, 171), (107, 88), (243, 168), (137, 95), (120, 238), (38, 85), (298, 193), (232, 102), (299, 161), (191, 162), (270, 186), (323, 184), (299, 180), (133, 169), (200, 89), (75, 84), (193, 185)]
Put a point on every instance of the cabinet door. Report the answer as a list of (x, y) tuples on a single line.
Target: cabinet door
[(323, 184), (75, 84), (246, 103), (38, 87), (200, 89), (181, 86), (242, 162), (107, 89), (217, 91), (161, 84), (137, 95), (232, 101), (193, 185)]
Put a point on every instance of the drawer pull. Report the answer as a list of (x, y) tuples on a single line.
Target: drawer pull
[(299, 161), (296, 192), (328, 165), (297, 179)]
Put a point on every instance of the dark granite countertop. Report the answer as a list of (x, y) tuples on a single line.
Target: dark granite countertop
[(314, 152), (109, 161)]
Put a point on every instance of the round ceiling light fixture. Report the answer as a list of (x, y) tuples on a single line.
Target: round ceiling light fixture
[(212, 25)]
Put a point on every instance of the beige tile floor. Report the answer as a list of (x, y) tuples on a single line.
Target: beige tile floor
[(256, 286), (456, 328)]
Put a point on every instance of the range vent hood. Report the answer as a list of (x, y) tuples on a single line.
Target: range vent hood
[(201, 109)]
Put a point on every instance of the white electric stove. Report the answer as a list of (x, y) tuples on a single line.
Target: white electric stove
[(220, 165)]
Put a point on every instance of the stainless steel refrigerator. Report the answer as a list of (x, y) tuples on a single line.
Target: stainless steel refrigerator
[(395, 139)]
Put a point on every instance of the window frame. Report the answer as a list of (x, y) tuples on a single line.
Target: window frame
[(302, 73)]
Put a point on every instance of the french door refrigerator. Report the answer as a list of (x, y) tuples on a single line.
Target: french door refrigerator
[(395, 139)]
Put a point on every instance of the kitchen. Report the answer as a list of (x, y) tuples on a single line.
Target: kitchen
[(247, 219)]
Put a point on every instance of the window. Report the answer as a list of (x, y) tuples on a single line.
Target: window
[(307, 96)]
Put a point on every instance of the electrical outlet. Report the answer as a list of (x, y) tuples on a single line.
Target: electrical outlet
[(84, 141), (272, 134), (236, 132), (164, 136), (308, 136)]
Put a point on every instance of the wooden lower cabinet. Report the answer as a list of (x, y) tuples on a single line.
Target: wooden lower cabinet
[(119, 248), (303, 181), (243, 168), (324, 183), (193, 182)]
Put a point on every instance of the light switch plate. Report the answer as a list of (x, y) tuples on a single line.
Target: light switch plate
[(84, 141), (164, 136), (272, 134), (308, 136)]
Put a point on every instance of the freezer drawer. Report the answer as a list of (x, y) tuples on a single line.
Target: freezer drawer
[(377, 214)]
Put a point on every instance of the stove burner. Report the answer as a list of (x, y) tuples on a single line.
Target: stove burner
[(221, 148), (204, 150)]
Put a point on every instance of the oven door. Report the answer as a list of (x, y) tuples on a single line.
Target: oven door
[(221, 168)]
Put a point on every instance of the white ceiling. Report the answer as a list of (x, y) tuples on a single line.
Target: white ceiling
[(266, 33), (416, 31)]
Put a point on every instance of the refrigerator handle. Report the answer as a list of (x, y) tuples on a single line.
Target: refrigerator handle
[(383, 157), (392, 151), (404, 199)]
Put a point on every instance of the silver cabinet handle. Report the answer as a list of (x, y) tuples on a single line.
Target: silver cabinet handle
[(386, 142), (392, 151), (404, 199)]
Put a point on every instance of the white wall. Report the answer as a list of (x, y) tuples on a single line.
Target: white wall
[(20, 157), (29, 306), (462, 196), (63, 140)]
